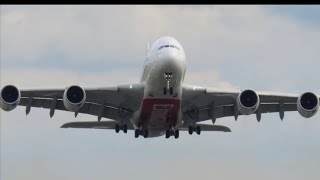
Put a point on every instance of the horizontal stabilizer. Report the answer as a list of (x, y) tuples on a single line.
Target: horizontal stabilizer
[(94, 125), (207, 127)]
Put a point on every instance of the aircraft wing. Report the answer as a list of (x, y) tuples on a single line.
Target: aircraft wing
[(116, 103), (200, 103)]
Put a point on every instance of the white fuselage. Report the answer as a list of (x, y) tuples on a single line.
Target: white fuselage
[(160, 109)]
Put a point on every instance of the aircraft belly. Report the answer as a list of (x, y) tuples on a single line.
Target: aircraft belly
[(159, 113), (161, 110)]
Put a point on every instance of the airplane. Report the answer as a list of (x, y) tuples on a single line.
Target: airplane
[(160, 104)]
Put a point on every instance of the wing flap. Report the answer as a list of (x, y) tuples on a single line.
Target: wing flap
[(227, 111), (88, 108)]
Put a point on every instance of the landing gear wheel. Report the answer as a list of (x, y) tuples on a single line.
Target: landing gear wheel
[(171, 90), (125, 128), (117, 128), (172, 132), (136, 133), (168, 133), (198, 130), (164, 90), (190, 130), (146, 133), (176, 134)]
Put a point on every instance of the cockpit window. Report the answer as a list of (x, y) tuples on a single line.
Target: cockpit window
[(166, 46)]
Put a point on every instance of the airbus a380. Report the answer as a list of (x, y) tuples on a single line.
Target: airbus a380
[(161, 104)]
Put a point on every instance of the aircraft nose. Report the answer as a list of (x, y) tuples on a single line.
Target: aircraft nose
[(171, 62), (170, 55)]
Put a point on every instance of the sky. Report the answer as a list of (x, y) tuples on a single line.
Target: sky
[(265, 48)]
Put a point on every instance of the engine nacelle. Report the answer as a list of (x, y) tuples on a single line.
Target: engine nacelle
[(74, 98), (248, 102), (9, 97), (308, 104)]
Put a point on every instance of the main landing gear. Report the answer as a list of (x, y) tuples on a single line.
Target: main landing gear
[(196, 129), (168, 89), (144, 133), (174, 133), (124, 128)]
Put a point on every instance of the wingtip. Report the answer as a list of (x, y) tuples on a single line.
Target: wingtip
[(228, 129), (64, 125)]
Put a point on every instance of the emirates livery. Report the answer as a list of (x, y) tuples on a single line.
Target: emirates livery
[(161, 104)]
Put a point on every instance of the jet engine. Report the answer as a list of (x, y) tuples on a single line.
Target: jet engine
[(74, 98), (9, 98), (308, 104), (248, 102)]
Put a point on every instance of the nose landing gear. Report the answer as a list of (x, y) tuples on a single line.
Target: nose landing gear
[(168, 88)]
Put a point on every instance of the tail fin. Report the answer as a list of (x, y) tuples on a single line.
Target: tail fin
[(147, 48)]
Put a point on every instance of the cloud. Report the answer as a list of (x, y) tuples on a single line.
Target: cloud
[(223, 35), (208, 78), (226, 46), (54, 78), (249, 41)]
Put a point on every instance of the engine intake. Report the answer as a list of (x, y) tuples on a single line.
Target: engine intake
[(308, 104), (248, 102), (9, 98), (74, 98)]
